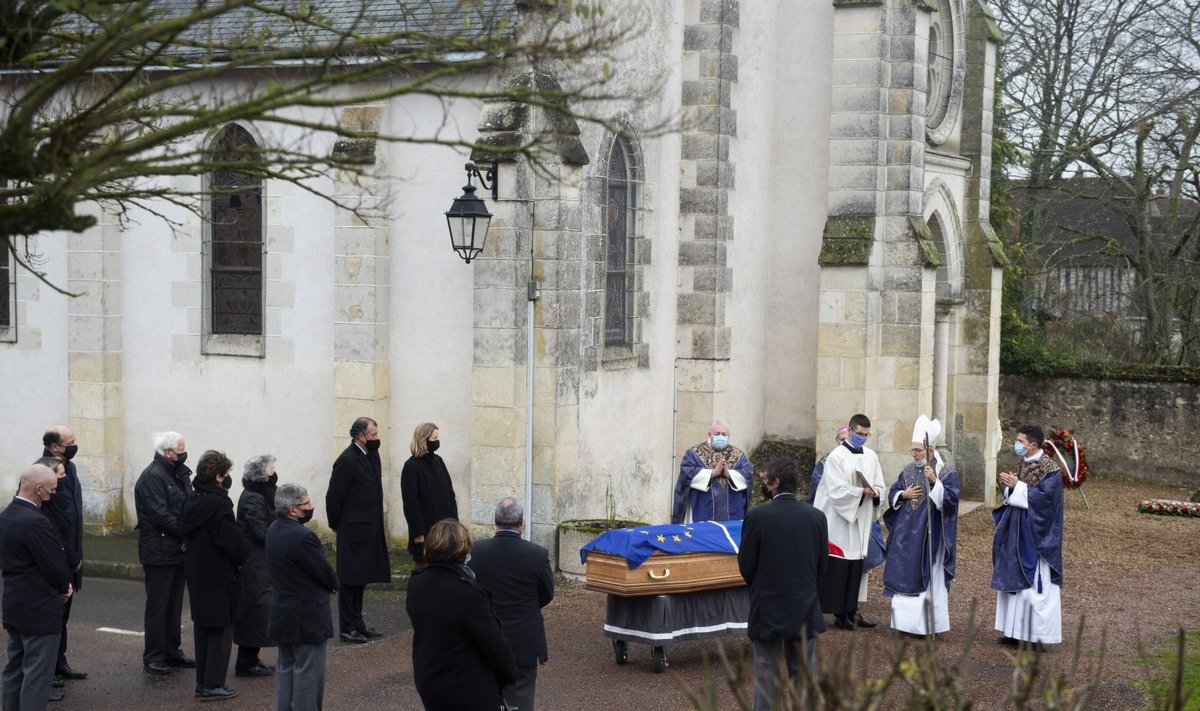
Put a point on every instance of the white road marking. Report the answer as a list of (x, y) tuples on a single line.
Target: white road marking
[(114, 630)]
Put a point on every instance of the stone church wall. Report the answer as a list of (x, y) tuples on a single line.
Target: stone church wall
[(1128, 429)]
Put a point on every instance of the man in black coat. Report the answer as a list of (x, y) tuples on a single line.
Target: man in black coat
[(158, 496), (784, 553), (59, 441), (517, 573), (354, 506), (36, 584), (298, 615)]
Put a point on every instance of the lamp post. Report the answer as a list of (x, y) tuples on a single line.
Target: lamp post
[(468, 217)]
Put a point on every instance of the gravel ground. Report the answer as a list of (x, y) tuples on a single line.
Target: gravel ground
[(1129, 577)]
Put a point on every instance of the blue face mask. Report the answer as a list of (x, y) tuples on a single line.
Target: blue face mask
[(720, 441), (1019, 449), (856, 440)]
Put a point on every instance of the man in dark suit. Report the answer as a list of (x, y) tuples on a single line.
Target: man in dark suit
[(298, 615), (784, 553), (59, 441), (354, 506), (517, 573), (36, 584)]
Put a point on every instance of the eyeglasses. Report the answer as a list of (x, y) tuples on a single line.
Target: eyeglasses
[(916, 450), (861, 434)]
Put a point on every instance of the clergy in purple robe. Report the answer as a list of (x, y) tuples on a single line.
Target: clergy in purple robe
[(712, 483), (1027, 547), (922, 519)]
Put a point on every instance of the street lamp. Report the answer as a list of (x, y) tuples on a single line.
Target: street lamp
[(468, 217)]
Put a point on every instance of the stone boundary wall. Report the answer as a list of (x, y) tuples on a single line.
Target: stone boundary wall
[(1128, 429)]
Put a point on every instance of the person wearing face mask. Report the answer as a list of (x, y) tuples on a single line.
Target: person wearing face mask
[(255, 511), (849, 496), (713, 480), (354, 506), (1027, 547), (215, 551), (917, 535), (426, 489), (37, 582), (158, 498), (59, 441), (300, 580)]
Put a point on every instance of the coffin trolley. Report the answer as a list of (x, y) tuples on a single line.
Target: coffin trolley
[(668, 584)]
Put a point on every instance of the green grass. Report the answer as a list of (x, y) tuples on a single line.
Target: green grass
[(1162, 667)]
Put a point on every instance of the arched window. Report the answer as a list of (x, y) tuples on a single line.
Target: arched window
[(620, 206), (236, 224)]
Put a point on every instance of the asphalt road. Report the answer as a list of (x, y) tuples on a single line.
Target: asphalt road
[(106, 642)]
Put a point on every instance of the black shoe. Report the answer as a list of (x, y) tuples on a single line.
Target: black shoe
[(183, 661), (843, 622), (58, 683), (354, 637), (66, 672), (1008, 641), (56, 695), (157, 668), (863, 622), (256, 670), (370, 633), (216, 693)]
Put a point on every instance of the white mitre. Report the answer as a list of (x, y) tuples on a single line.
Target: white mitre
[(931, 429)]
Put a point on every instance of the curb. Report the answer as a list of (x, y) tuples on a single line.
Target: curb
[(131, 571)]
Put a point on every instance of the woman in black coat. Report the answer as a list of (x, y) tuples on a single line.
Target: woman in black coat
[(425, 489), (214, 553), (461, 659), (255, 511)]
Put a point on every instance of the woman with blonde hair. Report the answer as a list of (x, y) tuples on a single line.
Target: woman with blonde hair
[(461, 659), (426, 489)]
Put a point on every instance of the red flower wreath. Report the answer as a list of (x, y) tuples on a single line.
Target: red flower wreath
[(1067, 450)]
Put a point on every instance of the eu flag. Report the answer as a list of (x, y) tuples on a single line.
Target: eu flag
[(639, 543)]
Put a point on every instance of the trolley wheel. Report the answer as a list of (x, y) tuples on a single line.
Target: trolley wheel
[(621, 651), (658, 655)]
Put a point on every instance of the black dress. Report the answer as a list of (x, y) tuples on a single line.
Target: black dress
[(255, 511)]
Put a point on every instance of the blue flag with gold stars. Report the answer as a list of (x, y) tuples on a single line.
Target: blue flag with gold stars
[(639, 543)]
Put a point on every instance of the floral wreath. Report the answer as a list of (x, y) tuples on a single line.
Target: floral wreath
[(1069, 453)]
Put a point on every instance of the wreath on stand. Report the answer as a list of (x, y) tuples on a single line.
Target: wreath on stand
[(1069, 453)]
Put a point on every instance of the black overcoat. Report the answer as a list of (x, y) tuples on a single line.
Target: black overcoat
[(354, 507), (428, 496), (461, 659), (70, 501), (35, 570), (517, 573), (255, 511), (214, 553), (301, 580), (158, 496), (784, 553)]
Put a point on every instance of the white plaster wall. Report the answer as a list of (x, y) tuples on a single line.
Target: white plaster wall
[(33, 370), (432, 291), (792, 191), (626, 416)]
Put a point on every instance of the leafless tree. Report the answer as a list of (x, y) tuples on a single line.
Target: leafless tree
[(107, 102), (1104, 105)]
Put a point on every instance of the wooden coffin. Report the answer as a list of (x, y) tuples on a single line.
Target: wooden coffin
[(662, 574)]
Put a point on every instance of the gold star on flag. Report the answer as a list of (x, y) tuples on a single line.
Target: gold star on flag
[(677, 539), (688, 534), (661, 538)]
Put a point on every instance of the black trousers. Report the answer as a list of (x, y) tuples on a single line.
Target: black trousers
[(350, 602), (838, 588), (213, 646), (164, 604), (247, 657), (62, 643)]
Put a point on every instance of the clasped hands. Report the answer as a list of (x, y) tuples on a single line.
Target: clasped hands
[(913, 491)]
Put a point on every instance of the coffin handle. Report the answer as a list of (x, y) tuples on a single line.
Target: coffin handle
[(665, 574)]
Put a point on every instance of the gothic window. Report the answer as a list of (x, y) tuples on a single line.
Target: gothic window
[(235, 263), (620, 205), (945, 68)]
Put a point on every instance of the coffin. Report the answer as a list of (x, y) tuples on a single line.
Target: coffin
[(662, 573)]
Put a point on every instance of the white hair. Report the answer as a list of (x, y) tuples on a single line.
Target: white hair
[(164, 441), (717, 423)]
